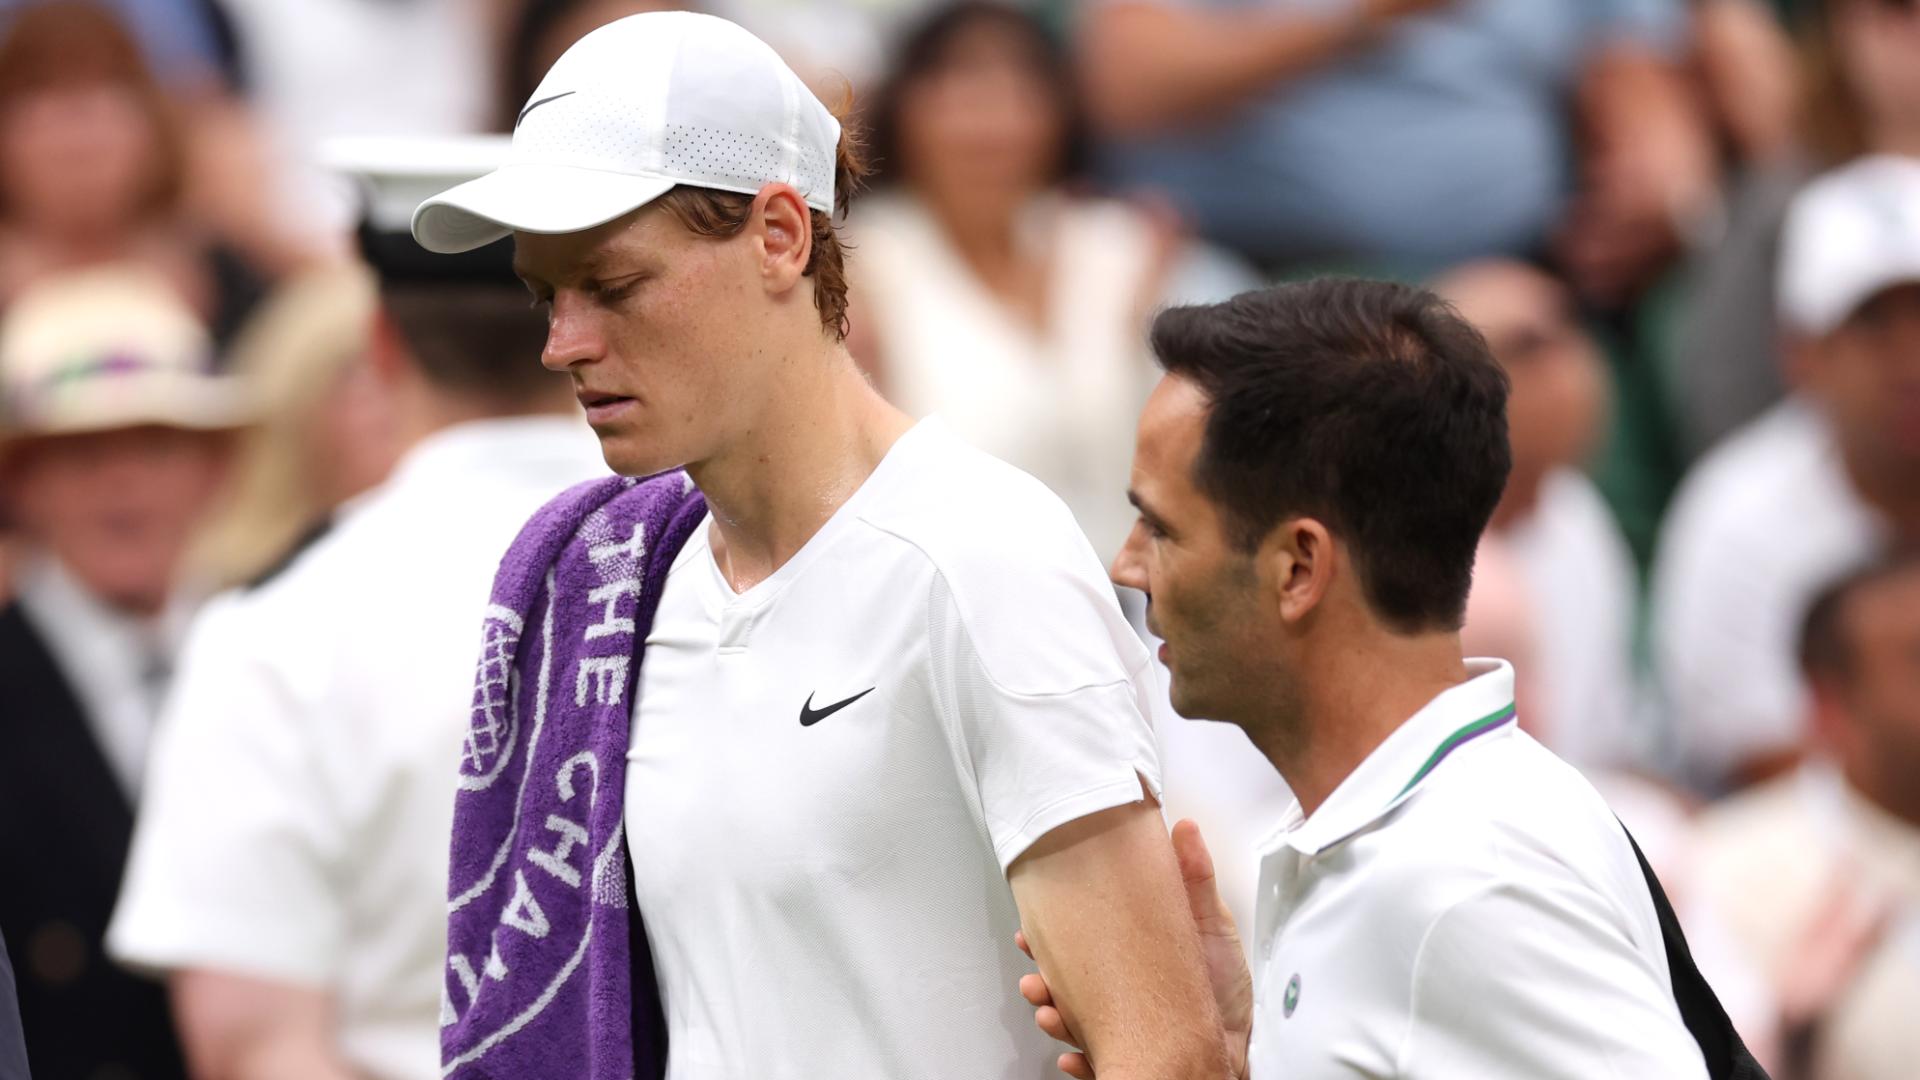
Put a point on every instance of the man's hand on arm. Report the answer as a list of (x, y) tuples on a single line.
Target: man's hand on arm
[(1121, 950), (234, 1027), (1149, 66)]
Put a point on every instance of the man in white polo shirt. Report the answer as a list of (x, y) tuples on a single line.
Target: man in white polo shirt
[(887, 707), (1447, 899)]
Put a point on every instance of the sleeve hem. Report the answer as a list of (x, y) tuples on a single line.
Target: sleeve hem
[(226, 943), (1104, 796)]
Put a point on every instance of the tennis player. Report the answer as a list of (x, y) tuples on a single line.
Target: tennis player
[(887, 709)]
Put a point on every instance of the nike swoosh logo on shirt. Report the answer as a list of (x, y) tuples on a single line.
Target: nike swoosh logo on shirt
[(810, 716), (532, 105)]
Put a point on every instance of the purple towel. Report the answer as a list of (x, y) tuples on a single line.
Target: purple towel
[(541, 978)]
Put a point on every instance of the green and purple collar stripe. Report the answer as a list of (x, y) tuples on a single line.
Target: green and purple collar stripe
[(1490, 722)]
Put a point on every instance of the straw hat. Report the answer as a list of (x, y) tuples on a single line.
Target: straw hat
[(110, 348)]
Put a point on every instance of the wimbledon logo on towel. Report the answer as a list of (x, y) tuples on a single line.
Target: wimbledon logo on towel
[(530, 967)]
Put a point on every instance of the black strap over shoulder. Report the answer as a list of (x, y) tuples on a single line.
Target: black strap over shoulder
[(1727, 1057)]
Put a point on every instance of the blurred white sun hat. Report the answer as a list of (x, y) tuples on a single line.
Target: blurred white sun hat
[(109, 348)]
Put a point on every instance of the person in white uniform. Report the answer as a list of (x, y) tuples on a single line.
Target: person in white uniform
[(288, 869), (1826, 480), (888, 709), (1447, 899)]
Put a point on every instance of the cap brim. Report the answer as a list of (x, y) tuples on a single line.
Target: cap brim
[(529, 198)]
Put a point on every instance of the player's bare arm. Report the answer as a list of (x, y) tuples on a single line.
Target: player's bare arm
[(1227, 974), (1103, 914)]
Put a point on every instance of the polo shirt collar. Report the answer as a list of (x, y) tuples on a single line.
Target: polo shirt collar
[(1482, 707)]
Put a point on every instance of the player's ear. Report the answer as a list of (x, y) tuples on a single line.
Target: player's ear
[(783, 228), (1297, 560)]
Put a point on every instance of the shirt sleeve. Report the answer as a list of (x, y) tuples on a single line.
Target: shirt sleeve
[(234, 856), (1535, 982), (1042, 684)]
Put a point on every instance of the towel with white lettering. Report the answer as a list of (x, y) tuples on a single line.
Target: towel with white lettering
[(541, 977)]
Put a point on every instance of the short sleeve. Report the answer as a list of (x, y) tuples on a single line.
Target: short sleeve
[(234, 855), (1535, 982), (1041, 682)]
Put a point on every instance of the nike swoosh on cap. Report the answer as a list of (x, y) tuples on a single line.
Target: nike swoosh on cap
[(532, 105), (810, 716)]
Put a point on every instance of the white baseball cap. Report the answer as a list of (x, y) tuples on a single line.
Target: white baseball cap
[(633, 109), (1849, 235)]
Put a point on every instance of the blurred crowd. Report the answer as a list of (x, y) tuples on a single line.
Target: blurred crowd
[(1689, 230)]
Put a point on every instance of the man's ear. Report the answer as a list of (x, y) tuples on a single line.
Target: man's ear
[(783, 236), (1297, 559)]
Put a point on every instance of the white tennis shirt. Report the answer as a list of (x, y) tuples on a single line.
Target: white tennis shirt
[(1463, 905), (830, 773)]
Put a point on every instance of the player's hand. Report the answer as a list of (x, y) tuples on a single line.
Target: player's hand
[(1219, 945)]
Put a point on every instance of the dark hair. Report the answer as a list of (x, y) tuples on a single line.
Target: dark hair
[(925, 48), (477, 340), (464, 318), (1370, 405), (1826, 655)]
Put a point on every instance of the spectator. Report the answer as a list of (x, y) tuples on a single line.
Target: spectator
[(986, 291), (326, 423), (1863, 99), (113, 453), (1411, 134), (1558, 533), (184, 42), (93, 165), (305, 936), (1817, 873), (1812, 487)]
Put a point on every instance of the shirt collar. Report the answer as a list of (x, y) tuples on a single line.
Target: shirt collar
[(84, 626), (1399, 766)]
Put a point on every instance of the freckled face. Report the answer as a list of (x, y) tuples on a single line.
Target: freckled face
[(656, 325)]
